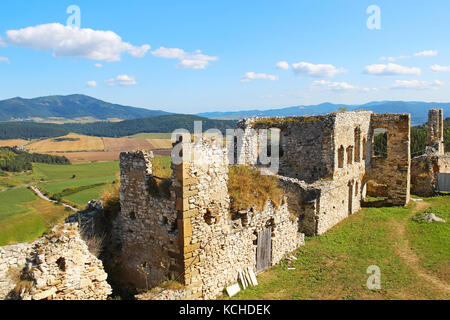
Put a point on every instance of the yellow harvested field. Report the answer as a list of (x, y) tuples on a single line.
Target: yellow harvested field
[(13, 143), (126, 144), (79, 157), (69, 143), (160, 143)]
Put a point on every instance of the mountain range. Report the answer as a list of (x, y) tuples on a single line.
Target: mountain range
[(71, 107), (82, 108), (418, 110)]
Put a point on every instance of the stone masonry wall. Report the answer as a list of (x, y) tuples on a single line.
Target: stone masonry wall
[(393, 169), (12, 260), (146, 228), (218, 244), (58, 266), (435, 131)]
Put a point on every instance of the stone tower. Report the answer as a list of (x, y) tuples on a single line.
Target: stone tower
[(435, 131)]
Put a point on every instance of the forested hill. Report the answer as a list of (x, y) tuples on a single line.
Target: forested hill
[(69, 107), (168, 123), (165, 123)]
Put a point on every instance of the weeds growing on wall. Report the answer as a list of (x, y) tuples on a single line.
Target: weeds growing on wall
[(162, 171), (249, 188), (111, 200)]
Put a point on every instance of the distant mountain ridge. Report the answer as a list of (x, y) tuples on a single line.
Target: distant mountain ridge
[(164, 123), (418, 110), (69, 107)]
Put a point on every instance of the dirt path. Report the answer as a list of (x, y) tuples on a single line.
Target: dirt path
[(404, 250), (40, 195)]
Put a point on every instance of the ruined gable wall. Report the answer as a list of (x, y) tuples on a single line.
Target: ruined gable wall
[(146, 227), (393, 170)]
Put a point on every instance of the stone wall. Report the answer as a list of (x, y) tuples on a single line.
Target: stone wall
[(435, 131), (58, 266), (146, 228), (393, 169), (12, 260), (209, 245), (424, 168)]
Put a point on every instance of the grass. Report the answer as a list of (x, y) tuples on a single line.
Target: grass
[(431, 241), (24, 217), (12, 202), (248, 187), (334, 265)]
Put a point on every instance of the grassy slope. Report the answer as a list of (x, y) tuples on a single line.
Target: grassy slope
[(431, 241), (24, 217), (86, 174), (333, 266)]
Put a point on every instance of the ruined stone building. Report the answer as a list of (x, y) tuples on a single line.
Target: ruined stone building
[(426, 168), (192, 236)]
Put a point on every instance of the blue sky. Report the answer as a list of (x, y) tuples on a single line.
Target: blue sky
[(199, 56)]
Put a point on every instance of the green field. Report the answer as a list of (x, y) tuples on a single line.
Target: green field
[(59, 178), (413, 258), (25, 217)]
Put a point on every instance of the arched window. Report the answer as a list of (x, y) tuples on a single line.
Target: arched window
[(341, 157), (364, 155), (357, 144), (350, 155), (380, 141)]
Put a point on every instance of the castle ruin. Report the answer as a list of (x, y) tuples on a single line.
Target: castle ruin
[(426, 168), (191, 235)]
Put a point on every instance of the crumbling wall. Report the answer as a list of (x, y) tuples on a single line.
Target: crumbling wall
[(393, 169), (146, 227), (435, 131), (58, 266), (305, 146), (13, 259), (219, 243), (424, 168)]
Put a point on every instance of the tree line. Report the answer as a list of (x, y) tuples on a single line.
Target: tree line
[(14, 160)]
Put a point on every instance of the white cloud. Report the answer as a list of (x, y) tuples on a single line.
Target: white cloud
[(391, 69), (283, 65), (338, 86), (65, 41), (122, 80), (195, 60), (317, 70), (98, 65), (438, 68), (4, 59), (426, 53), (392, 59), (250, 76), (91, 84), (416, 84)]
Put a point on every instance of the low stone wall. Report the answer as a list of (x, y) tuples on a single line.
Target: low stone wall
[(58, 266)]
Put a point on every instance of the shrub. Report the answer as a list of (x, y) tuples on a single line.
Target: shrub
[(248, 187), (111, 201)]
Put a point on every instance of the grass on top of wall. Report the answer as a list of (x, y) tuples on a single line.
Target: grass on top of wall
[(249, 188)]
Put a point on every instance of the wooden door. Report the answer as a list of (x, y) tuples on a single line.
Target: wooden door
[(264, 250)]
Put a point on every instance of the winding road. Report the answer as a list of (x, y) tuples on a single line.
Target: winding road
[(42, 196)]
